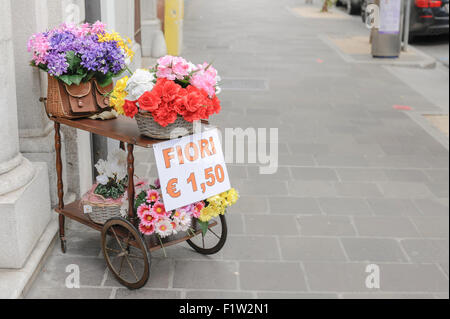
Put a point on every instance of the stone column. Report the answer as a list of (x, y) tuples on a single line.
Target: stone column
[(24, 194), (35, 129), (153, 42)]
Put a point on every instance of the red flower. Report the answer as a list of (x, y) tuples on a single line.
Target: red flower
[(179, 104), (164, 116), (149, 101), (216, 104), (196, 99), (168, 100), (130, 108), (169, 90)]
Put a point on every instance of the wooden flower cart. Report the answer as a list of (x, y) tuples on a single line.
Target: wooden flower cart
[(126, 251)]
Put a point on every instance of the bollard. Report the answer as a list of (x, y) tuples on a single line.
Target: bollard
[(173, 29)]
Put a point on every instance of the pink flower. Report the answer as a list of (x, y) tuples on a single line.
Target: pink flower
[(139, 184), (98, 27), (84, 29), (148, 218), (206, 79), (142, 210), (157, 183), (39, 44), (198, 209), (180, 67), (146, 229), (159, 209), (152, 196), (165, 73), (164, 227), (172, 68)]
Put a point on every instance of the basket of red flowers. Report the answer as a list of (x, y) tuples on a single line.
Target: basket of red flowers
[(167, 99)]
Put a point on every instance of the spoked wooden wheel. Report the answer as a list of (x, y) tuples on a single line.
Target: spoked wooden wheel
[(126, 253), (214, 239)]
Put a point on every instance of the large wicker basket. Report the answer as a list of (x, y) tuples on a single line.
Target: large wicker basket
[(98, 209), (150, 128)]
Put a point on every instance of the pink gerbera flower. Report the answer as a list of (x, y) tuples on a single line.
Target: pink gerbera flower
[(177, 214), (198, 209), (152, 196), (159, 209), (146, 229), (142, 210), (148, 218)]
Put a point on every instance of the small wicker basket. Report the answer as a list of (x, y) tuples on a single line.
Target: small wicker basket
[(98, 209), (150, 128)]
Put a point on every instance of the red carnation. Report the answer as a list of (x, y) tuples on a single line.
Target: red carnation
[(179, 103), (216, 104), (149, 101), (164, 116), (130, 108), (170, 90), (196, 99)]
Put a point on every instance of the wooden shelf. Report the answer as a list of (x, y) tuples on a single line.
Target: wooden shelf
[(75, 212), (123, 129)]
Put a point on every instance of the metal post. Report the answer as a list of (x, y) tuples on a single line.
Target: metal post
[(99, 144), (406, 25)]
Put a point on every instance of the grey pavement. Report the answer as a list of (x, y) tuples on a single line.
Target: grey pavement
[(359, 182)]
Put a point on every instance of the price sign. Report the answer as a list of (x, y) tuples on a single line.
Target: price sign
[(191, 169)]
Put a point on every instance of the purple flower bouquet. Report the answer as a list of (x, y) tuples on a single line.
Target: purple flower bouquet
[(75, 54)]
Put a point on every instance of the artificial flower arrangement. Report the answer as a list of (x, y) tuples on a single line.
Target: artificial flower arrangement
[(75, 54), (113, 177), (108, 197), (173, 89), (154, 219)]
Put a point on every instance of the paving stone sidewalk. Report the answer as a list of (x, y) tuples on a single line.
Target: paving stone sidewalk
[(359, 182)]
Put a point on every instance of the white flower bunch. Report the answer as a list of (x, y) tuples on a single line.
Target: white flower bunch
[(141, 82), (115, 168)]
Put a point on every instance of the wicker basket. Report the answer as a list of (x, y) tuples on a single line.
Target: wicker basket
[(97, 208), (150, 128), (101, 214)]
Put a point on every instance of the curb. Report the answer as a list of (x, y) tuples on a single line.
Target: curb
[(428, 62), (19, 280)]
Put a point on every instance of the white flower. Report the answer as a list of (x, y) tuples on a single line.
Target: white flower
[(124, 207), (164, 228), (139, 83), (192, 67), (101, 167), (102, 179), (118, 156), (184, 221)]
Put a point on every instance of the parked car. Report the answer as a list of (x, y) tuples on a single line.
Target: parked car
[(428, 17), (353, 6)]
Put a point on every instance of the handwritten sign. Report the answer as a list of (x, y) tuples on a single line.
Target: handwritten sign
[(191, 169)]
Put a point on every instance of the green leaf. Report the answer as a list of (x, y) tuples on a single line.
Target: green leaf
[(65, 78), (76, 78), (203, 226), (105, 81), (140, 200), (73, 60)]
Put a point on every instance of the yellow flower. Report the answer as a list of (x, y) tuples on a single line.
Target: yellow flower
[(118, 95), (230, 197), (121, 84)]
